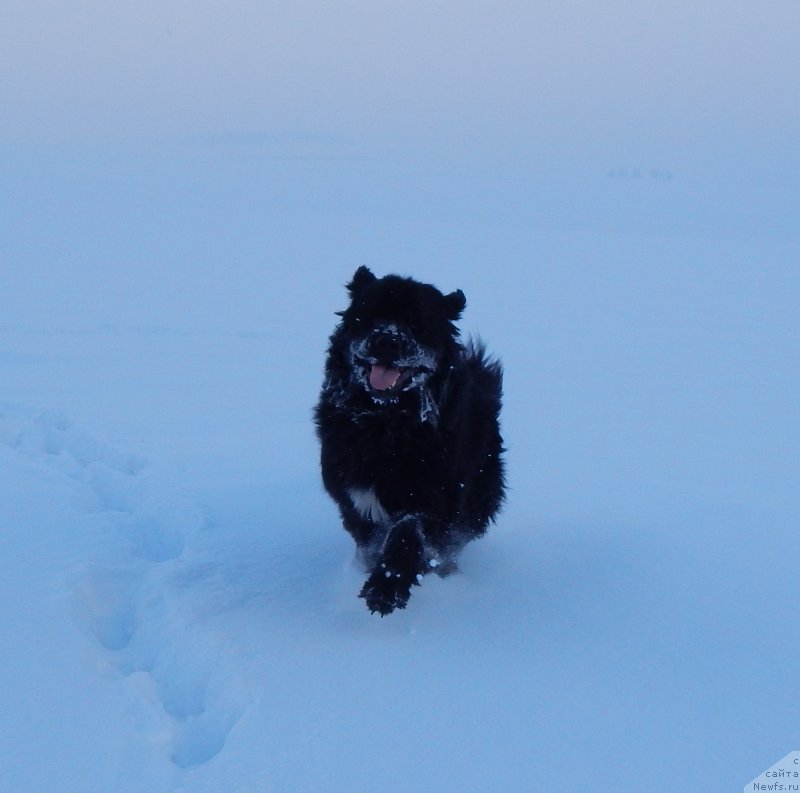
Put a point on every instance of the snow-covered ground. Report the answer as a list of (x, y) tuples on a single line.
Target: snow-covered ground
[(179, 602)]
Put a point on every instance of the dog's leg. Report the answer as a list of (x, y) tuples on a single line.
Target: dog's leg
[(361, 529), (400, 563)]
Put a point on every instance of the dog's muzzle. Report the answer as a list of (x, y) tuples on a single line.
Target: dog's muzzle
[(389, 360)]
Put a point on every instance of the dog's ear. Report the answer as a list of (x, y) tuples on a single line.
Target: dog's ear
[(454, 304), (362, 278)]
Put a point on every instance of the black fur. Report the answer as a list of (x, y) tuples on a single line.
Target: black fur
[(408, 425)]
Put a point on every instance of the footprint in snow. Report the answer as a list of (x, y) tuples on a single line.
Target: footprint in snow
[(130, 597)]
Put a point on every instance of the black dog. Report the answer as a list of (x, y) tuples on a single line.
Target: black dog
[(408, 424)]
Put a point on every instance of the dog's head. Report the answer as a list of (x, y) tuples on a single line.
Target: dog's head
[(397, 337)]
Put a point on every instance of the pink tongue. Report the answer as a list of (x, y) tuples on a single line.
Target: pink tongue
[(382, 377)]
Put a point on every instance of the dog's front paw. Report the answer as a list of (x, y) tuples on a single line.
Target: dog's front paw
[(386, 590)]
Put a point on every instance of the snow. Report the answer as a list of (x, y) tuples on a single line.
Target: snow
[(179, 601)]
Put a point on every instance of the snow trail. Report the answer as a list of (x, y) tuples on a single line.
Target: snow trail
[(130, 595)]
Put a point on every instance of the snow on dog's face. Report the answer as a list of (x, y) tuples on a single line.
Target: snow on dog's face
[(397, 333), (388, 360)]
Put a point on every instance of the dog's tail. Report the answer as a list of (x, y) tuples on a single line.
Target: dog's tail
[(486, 369)]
